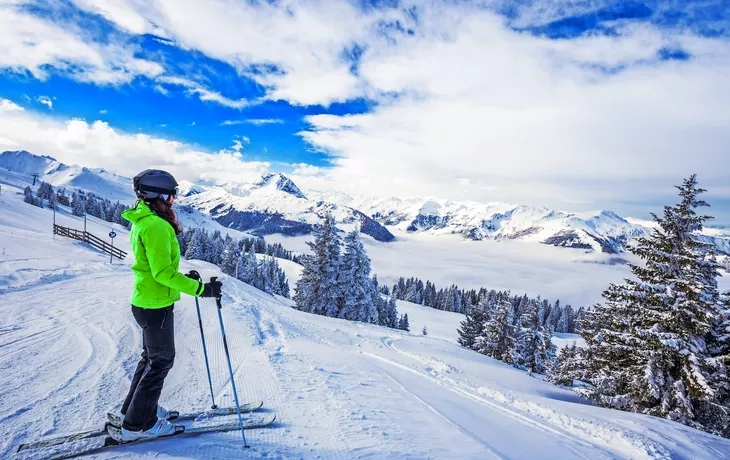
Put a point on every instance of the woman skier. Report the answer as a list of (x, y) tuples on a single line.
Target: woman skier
[(157, 286)]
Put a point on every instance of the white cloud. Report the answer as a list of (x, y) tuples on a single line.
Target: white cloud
[(97, 144), (302, 40), (307, 170), (203, 93), (103, 111), (31, 44), (45, 100), (253, 121)]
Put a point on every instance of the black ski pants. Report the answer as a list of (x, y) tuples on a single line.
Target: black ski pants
[(158, 356)]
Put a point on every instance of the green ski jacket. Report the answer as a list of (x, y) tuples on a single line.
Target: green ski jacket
[(157, 281)]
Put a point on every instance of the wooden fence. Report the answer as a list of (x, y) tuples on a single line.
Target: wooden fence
[(90, 239)]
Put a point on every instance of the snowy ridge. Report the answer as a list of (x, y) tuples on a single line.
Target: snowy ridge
[(600, 231), (98, 181), (339, 389), (274, 204)]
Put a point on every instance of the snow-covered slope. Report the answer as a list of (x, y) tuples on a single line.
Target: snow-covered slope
[(98, 181), (339, 389), (274, 204)]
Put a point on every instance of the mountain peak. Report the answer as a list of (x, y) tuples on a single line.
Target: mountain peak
[(281, 182)]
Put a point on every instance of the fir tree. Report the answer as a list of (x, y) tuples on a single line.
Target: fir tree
[(28, 196), (392, 313), (356, 287), (649, 340), (497, 338), (472, 325), (568, 366), (196, 245), (403, 323), (318, 289), (536, 350)]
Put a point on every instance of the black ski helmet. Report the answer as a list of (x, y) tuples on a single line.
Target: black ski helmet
[(151, 183)]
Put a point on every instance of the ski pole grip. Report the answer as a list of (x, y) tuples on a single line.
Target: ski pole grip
[(218, 298), (194, 275)]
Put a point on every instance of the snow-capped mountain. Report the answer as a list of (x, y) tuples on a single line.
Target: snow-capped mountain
[(602, 231), (274, 204), (72, 177)]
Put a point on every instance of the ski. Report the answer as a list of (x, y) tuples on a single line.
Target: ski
[(115, 420), (200, 415), (258, 421)]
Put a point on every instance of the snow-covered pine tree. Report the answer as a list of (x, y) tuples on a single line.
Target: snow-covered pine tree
[(536, 351), (567, 367), (497, 337), (403, 323), (648, 342), (215, 248), (196, 245), (392, 313), (472, 325), (228, 256), (317, 290), (77, 204), (554, 317), (356, 286), (28, 195), (564, 321)]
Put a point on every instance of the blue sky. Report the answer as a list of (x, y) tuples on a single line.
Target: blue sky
[(575, 104)]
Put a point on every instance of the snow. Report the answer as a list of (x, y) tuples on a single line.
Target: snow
[(340, 390), (563, 339)]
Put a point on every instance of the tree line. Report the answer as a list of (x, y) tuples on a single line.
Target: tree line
[(552, 315), (81, 203), (515, 330), (336, 281), (238, 256)]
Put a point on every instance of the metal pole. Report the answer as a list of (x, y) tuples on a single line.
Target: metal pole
[(196, 275), (230, 368), (111, 253)]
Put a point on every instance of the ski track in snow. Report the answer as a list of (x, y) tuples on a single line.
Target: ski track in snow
[(69, 346)]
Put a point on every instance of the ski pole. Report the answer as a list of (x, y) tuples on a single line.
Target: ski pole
[(195, 275), (230, 368)]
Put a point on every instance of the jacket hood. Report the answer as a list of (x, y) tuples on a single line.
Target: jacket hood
[(141, 211)]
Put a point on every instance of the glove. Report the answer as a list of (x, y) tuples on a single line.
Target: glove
[(193, 274), (212, 289)]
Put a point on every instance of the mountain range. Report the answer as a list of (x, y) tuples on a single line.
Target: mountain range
[(275, 204)]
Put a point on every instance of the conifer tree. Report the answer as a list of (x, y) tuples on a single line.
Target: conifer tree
[(392, 313), (355, 283), (568, 366), (28, 195), (403, 323), (649, 341), (318, 288), (497, 338), (472, 325), (536, 351)]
